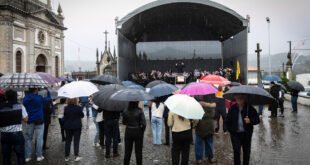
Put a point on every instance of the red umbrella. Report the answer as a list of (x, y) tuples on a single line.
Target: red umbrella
[(214, 79), (1, 92)]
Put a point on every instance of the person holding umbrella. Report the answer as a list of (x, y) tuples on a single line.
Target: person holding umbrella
[(240, 120), (73, 126), (134, 120), (296, 88), (34, 106), (274, 91), (205, 129), (157, 115)]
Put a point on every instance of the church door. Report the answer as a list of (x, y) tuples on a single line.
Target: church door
[(41, 63)]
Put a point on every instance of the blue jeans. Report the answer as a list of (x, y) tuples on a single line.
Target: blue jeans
[(39, 129), (94, 114), (260, 109), (15, 140), (294, 103), (87, 108), (208, 144), (156, 129)]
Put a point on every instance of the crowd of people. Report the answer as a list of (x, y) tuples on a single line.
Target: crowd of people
[(238, 119), (144, 78)]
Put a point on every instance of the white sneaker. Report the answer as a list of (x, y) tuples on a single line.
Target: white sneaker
[(28, 160), (78, 158), (39, 159), (96, 144), (67, 159)]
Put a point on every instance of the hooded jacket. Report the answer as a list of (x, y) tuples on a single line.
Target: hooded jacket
[(34, 106), (205, 126)]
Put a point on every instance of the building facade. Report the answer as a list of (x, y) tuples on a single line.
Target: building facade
[(31, 37)]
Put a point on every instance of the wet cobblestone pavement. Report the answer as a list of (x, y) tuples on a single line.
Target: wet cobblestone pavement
[(281, 141)]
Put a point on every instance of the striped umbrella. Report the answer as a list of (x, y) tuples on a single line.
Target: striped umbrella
[(22, 81)]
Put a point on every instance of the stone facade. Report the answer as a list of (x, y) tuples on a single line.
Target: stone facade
[(107, 64), (31, 37)]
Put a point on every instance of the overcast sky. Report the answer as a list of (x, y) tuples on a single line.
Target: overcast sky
[(86, 21)]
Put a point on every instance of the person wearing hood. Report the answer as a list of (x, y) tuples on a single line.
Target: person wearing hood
[(240, 120), (34, 106), (204, 129)]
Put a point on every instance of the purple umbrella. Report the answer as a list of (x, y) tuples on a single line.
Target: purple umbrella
[(198, 89), (62, 78), (47, 77)]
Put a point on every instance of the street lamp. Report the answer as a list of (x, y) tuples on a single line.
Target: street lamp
[(268, 22)]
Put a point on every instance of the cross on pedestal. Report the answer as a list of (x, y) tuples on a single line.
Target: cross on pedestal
[(259, 77)]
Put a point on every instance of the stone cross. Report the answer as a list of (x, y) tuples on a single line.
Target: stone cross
[(259, 77)]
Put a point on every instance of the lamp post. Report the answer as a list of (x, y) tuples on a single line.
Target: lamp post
[(268, 22)]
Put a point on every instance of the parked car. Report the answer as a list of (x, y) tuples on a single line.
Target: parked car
[(305, 93)]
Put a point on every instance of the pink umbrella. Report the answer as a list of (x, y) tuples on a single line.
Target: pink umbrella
[(47, 77), (215, 80), (198, 89)]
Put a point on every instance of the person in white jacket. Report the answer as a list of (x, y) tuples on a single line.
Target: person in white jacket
[(157, 116)]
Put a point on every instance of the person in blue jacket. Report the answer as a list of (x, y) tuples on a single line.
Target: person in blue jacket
[(34, 107)]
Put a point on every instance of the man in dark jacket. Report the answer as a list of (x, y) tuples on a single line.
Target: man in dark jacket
[(239, 121), (294, 98), (47, 111), (274, 91)]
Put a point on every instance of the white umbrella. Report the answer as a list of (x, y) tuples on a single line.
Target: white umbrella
[(77, 89), (185, 106)]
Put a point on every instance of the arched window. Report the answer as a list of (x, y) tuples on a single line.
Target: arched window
[(41, 63), (56, 67), (18, 62)]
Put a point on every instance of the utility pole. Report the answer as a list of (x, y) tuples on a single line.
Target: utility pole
[(259, 76)]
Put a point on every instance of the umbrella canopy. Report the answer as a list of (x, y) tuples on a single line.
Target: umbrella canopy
[(162, 90), (154, 83), (214, 79), (235, 84), (69, 79), (140, 87), (47, 77), (131, 95), (198, 89), (105, 79), (282, 86), (185, 106), (53, 92), (254, 95), (62, 78), (1, 74), (22, 81), (296, 85), (102, 98), (77, 89), (127, 83), (271, 78)]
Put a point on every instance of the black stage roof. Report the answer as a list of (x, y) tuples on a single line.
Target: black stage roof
[(181, 20)]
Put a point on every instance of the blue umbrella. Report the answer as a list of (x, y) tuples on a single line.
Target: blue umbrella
[(271, 78), (128, 83), (136, 87), (162, 90)]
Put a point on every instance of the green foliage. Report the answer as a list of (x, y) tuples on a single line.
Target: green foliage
[(284, 82)]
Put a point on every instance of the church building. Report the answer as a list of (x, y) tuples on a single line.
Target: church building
[(108, 63), (31, 37)]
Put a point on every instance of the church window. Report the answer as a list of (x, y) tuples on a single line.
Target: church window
[(18, 62)]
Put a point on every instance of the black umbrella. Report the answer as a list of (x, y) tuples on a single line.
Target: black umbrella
[(282, 87), (105, 79), (22, 81), (154, 83), (296, 85), (235, 84), (1, 74), (102, 98), (131, 95), (254, 95)]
